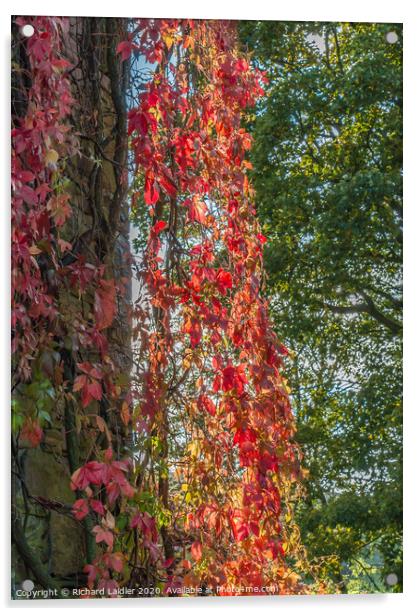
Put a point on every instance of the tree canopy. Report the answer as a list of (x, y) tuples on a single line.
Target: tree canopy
[(327, 159)]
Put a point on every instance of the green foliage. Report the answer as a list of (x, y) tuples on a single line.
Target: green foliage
[(328, 174), (35, 400)]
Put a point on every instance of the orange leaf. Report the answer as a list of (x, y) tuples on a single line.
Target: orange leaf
[(125, 413), (196, 550), (105, 304)]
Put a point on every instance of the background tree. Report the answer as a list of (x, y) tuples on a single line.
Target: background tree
[(327, 171)]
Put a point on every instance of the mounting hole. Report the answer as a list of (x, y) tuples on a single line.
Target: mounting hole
[(28, 585), (391, 579), (391, 37), (27, 30)]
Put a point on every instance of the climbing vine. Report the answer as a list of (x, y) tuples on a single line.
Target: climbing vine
[(62, 303), (213, 395), (40, 204)]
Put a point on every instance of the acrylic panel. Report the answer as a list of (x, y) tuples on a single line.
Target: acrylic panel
[(207, 307)]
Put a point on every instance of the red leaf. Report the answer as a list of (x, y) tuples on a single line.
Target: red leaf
[(254, 528), (124, 48), (25, 176), (168, 186), (80, 508), (245, 436), (116, 561), (151, 194), (234, 377), (206, 403), (125, 413), (223, 281), (28, 195), (92, 472), (103, 535), (217, 383), (239, 528), (196, 550), (86, 398), (92, 572), (80, 382), (105, 304), (197, 210), (31, 432), (85, 367), (159, 226), (60, 208), (192, 327), (97, 506), (95, 390)]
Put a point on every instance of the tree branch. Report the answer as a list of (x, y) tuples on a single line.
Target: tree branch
[(368, 307), (29, 558)]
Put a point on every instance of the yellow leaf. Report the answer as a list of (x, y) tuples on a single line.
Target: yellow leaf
[(125, 413), (34, 250), (109, 520), (168, 40), (51, 157)]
